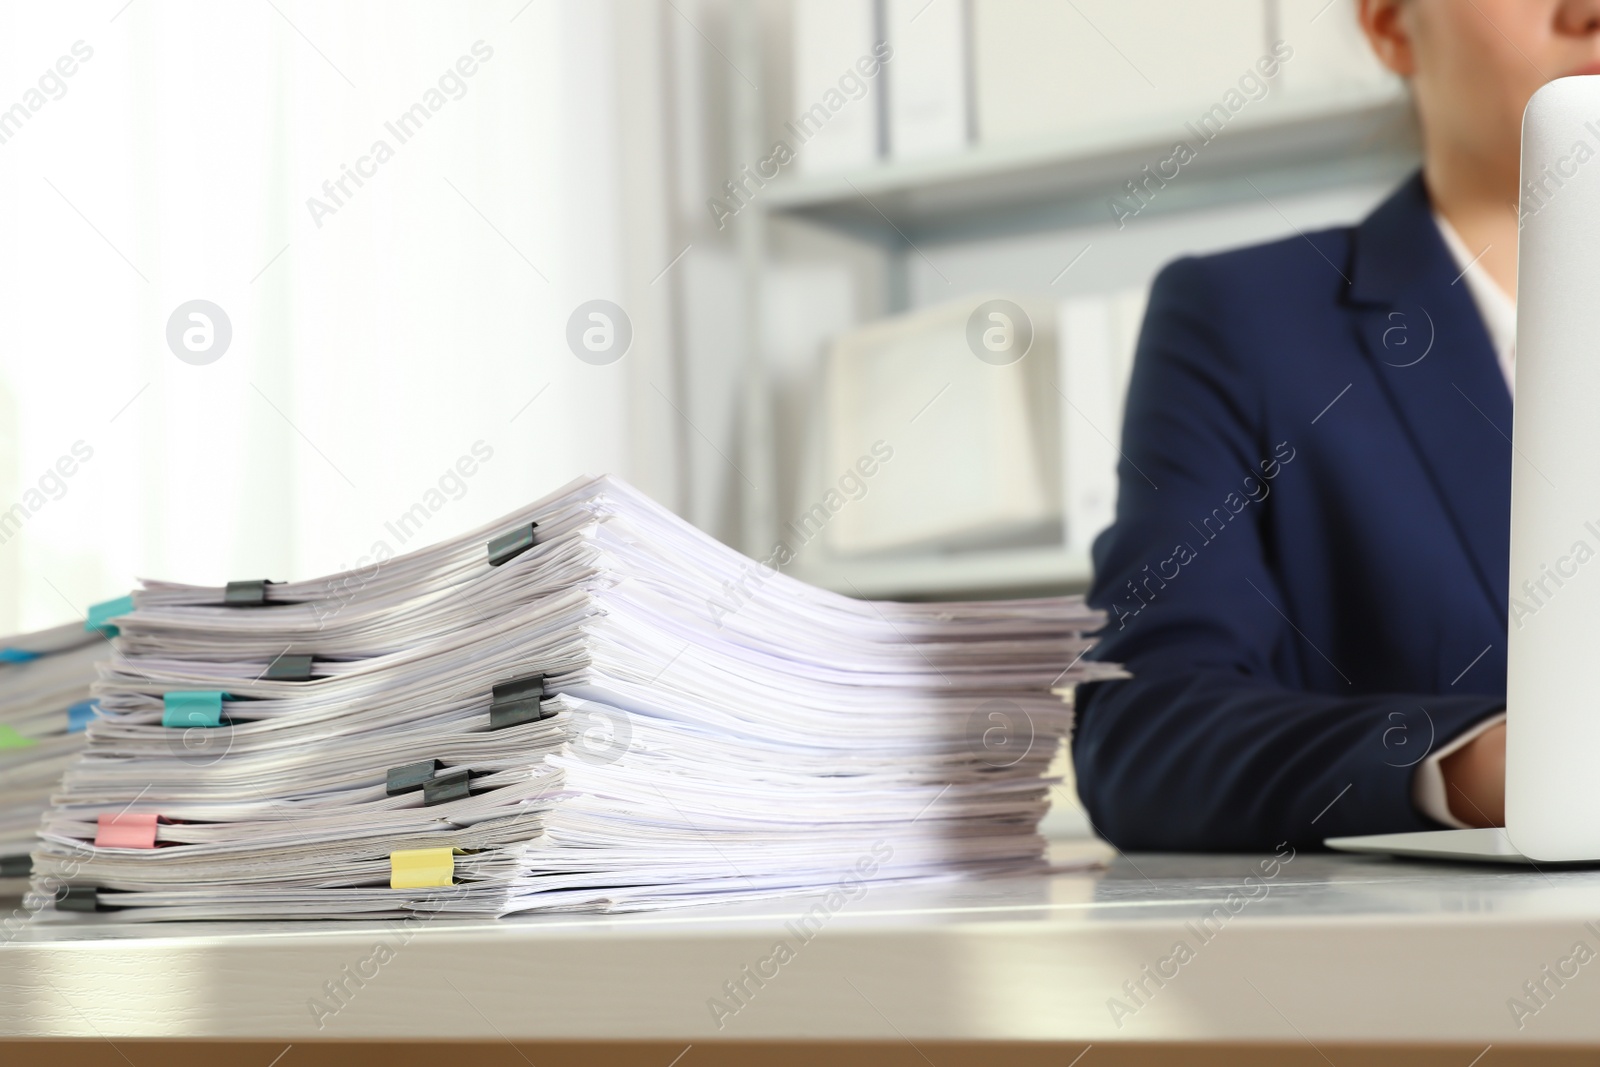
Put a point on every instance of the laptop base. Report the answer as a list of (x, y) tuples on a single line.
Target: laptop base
[(1481, 846)]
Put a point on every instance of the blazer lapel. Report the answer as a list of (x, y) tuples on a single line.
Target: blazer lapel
[(1421, 329)]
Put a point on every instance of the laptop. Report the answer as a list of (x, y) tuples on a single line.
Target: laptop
[(1553, 666)]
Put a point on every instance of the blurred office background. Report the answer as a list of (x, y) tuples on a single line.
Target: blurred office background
[(792, 237)]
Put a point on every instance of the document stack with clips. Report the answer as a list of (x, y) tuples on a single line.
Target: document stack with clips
[(587, 705), (44, 708)]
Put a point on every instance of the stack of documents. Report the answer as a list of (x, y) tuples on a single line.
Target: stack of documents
[(586, 705), (44, 707)]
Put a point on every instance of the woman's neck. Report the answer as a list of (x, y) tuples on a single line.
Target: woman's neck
[(1483, 210)]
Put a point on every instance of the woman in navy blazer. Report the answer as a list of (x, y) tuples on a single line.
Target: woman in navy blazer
[(1307, 576)]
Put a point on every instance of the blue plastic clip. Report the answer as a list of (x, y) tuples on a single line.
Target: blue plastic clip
[(80, 715)]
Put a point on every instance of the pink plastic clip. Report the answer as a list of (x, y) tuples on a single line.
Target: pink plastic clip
[(127, 830)]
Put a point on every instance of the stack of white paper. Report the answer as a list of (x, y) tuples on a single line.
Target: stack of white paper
[(44, 707), (625, 714)]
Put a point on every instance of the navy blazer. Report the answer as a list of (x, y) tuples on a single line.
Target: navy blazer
[(1307, 575)]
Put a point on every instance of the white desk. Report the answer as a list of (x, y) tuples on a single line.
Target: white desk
[(1339, 949)]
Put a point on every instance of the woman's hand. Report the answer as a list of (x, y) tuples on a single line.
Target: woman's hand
[(1475, 779)]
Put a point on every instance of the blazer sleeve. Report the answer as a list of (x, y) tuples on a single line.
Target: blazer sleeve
[(1210, 745)]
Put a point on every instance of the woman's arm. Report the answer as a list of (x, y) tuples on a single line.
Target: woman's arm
[(1215, 742)]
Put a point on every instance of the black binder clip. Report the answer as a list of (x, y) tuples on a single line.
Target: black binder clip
[(410, 778), (289, 669), (247, 594), (78, 898), (509, 546), (453, 784), (517, 701), (16, 866)]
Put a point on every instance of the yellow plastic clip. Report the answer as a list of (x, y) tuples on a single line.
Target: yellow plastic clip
[(423, 868)]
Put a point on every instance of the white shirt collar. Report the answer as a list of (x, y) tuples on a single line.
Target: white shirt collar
[(1495, 307)]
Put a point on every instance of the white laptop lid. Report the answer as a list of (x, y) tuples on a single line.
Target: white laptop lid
[(1553, 682)]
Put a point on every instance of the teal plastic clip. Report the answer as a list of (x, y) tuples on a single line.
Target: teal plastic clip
[(186, 709), (100, 615)]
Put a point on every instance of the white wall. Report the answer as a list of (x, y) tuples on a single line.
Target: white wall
[(371, 352)]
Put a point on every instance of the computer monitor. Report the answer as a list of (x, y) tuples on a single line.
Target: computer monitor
[(1553, 672)]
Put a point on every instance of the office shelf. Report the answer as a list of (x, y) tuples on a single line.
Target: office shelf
[(1287, 144), (997, 187)]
